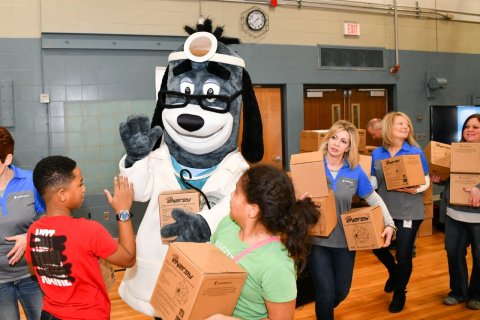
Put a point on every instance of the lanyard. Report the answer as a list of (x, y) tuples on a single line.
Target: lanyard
[(255, 246)]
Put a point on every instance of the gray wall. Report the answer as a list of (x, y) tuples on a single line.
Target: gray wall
[(96, 81)]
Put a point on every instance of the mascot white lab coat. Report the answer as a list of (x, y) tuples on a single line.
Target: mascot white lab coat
[(138, 283), (198, 116)]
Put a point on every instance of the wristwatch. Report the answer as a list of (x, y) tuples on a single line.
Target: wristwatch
[(124, 215)]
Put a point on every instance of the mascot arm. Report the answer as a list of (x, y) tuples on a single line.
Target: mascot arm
[(141, 177), (191, 227), (138, 138)]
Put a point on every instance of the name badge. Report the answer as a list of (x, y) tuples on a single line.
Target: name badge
[(407, 224)]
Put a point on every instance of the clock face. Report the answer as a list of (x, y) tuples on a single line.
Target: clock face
[(256, 20)]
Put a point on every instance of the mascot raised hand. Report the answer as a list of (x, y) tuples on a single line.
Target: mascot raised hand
[(193, 137)]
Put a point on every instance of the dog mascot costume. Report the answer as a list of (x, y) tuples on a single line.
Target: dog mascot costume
[(196, 123)]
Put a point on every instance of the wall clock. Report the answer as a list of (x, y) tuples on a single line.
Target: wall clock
[(254, 22)]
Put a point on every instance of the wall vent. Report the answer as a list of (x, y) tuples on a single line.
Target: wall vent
[(351, 58)]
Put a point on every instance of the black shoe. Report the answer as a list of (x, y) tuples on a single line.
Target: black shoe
[(389, 285), (398, 302)]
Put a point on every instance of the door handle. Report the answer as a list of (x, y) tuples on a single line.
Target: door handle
[(277, 159)]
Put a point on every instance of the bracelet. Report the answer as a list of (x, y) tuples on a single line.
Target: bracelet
[(394, 229)]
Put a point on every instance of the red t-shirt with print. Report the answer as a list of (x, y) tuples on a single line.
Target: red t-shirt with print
[(64, 252)]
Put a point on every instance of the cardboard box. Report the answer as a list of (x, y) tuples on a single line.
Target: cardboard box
[(403, 171), (196, 281), (308, 174), (328, 215), (369, 149), (108, 274), (458, 182), (188, 200), (366, 163), (428, 195), (363, 228), (426, 228), (310, 140), (362, 143), (438, 156), (428, 210), (465, 157)]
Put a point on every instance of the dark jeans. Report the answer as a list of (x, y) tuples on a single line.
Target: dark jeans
[(458, 235), (331, 270), (48, 316), (25, 290), (402, 267)]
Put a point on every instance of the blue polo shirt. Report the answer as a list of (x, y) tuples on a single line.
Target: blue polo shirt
[(345, 185), (402, 206), (19, 206)]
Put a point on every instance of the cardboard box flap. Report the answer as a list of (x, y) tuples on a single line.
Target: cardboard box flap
[(361, 210), (208, 258), (306, 157)]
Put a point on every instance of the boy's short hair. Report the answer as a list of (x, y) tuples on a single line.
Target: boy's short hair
[(53, 172), (6, 144)]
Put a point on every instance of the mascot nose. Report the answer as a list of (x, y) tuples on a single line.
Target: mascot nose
[(190, 122)]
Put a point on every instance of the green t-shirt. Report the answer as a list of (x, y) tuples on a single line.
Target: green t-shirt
[(271, 272)]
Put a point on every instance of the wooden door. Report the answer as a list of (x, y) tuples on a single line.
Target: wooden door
[(323, 107), (270, 102), (367, 104)]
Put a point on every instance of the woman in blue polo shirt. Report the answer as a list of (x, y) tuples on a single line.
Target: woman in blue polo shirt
[(405, 205), (19, 205), (462, 229), (330, 262)]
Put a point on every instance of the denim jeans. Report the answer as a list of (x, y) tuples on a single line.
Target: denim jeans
[(402, 268), (25, 290), (332, 271), (458, 235)]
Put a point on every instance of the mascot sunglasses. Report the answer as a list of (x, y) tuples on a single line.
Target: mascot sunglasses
[(209, 102)]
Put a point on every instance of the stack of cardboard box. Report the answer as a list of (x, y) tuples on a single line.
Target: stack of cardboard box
[(310, 140), (438, 156), (465, 171), (426, 228)]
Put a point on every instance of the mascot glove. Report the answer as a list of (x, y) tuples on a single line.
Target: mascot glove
[(188, 227), (138, 138)]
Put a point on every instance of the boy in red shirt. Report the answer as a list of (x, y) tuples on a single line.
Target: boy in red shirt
[(64, 251)]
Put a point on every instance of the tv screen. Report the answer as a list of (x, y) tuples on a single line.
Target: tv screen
[(446, 122)]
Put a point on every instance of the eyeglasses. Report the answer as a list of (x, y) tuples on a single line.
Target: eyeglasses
[(209, 102)]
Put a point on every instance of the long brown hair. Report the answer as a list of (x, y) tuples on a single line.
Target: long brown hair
[(272, 190)]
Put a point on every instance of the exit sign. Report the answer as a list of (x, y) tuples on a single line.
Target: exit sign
[(351, 29)]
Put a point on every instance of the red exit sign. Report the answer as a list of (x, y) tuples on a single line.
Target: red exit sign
[(351, 29)]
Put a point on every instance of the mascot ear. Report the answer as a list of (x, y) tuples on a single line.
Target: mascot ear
[(157, 115), (252, 137)]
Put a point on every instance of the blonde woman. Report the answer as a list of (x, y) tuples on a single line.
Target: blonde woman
[(405, 205), (330, 262)]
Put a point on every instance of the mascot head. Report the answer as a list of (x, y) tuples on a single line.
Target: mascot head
[(200, 99)]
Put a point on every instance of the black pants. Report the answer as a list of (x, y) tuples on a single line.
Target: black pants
[(402, 267)]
